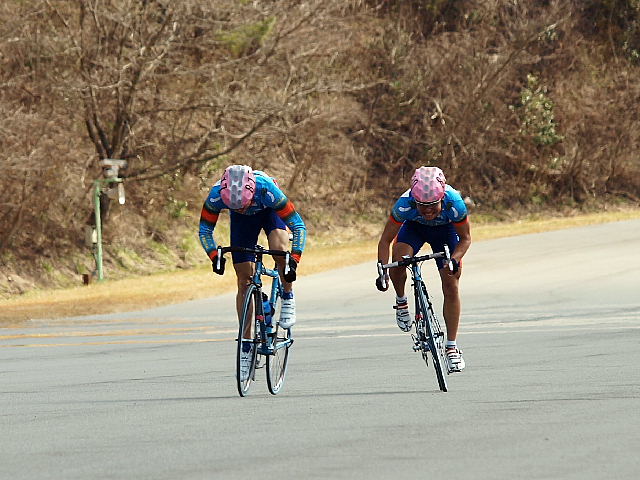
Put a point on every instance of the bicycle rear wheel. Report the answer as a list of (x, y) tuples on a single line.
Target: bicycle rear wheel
[(277, 363), (434, 339), (248, 331)]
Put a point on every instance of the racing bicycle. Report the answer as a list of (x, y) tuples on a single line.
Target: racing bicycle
[(259, 329), (428, 338)]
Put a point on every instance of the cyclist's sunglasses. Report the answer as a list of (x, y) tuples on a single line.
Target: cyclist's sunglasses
[(427, 204)]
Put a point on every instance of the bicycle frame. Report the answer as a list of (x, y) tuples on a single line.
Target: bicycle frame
[(271, 341), (428, 337), (266, 347)]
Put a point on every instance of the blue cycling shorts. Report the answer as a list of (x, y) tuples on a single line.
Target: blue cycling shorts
[(416, 235), (246, 228)]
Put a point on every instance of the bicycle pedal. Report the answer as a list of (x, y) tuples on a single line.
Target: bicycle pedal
[(263, 350)]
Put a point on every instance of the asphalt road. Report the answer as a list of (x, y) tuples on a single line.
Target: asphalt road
[(550, 331)]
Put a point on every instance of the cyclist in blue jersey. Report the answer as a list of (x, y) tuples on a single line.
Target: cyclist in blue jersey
[(255, 203), (429, 212)]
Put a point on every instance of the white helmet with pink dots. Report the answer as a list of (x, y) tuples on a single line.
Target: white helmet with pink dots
[(237, 186), (427, 185)]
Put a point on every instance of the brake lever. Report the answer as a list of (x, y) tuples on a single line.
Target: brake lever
[(286, 263), (447, 256), (382, 276), (218, 258)]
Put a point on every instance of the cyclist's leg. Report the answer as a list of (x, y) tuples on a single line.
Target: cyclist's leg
[(399, 275), (408, 242), (278, 237), (244, 271), (452, 304), (437, 238), (452, 308), (244, 230)]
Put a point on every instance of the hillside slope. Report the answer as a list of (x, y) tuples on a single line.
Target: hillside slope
[(526, 106)]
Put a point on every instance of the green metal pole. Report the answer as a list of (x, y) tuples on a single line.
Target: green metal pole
[(96, 202)]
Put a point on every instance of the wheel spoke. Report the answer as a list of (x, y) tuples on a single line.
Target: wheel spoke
[(277, 363), (247, 331)]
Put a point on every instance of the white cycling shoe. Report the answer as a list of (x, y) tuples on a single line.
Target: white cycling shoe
[(288, 313), (245, 363), (403, 318), (455, 362)]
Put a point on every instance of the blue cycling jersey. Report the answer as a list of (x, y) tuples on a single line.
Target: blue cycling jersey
[(454, 209), (267, 195)]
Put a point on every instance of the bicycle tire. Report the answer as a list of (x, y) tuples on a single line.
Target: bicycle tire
[(278, 362), (434, 339), (248, 317), (436, 345)]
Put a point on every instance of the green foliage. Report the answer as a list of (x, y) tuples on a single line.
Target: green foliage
[(631, 32), (162, 253), (189, 243), (631, 44), (7, 256), (80, 267), (127, 258), (209, 170), (47, 266), (248, 38), (549, 35), (177, 208), (160, 248), (536, 113)]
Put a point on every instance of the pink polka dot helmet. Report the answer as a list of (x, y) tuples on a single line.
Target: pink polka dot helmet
[(427, 185), (237, 186)]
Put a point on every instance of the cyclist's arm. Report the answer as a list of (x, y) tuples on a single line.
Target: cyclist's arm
[(390, 231), (272, 197), (208, 219), (296, 225), (463, 229)]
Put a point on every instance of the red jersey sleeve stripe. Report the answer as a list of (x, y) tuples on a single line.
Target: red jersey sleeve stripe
[(208, 216), (392, 218), (462, 222), (287, 210)]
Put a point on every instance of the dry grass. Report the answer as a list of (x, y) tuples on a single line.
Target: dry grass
[(161, 289)]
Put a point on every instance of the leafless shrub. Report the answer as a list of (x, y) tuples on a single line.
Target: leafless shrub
[(340, 101), (455, 100)]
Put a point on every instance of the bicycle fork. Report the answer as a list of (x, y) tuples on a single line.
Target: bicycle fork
[(420, 343)]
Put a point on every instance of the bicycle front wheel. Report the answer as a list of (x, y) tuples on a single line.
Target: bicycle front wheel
[(436, 346), (277, 363), (434, 340), (247, 350)]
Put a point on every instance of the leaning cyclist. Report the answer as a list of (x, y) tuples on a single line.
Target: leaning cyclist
[(429, 212), (255, 203)]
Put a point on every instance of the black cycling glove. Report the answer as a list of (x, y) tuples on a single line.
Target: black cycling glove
[(456, 265), (382, 282), (214, 265), (290, 276)]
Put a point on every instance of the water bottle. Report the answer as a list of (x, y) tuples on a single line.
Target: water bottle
[(268, 312)]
